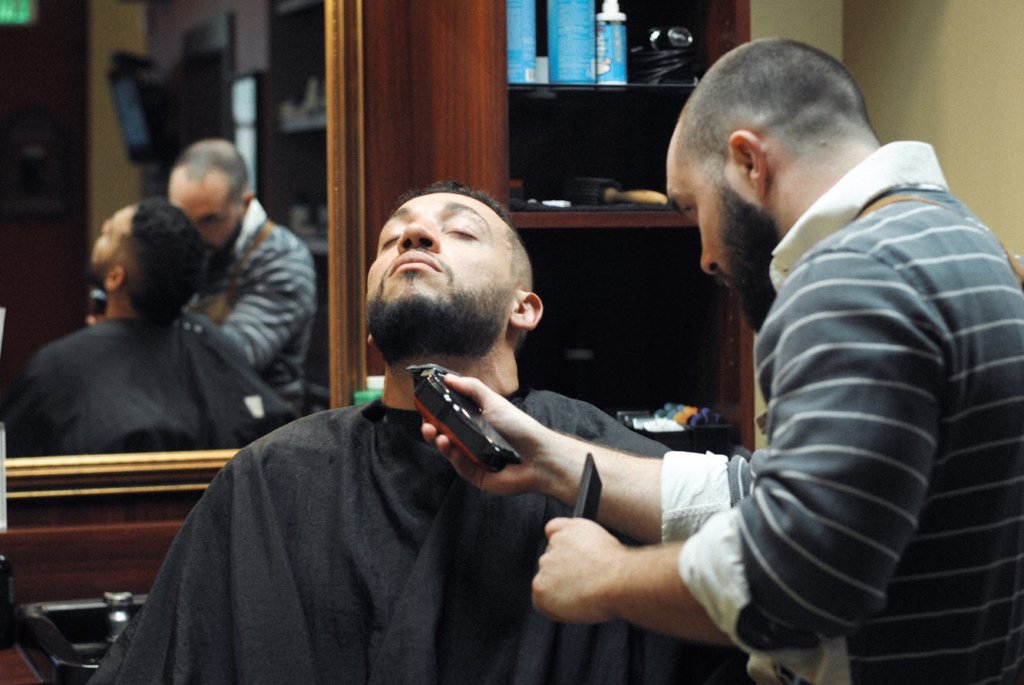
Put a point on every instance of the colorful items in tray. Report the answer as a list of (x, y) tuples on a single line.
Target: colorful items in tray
[(689, 415)]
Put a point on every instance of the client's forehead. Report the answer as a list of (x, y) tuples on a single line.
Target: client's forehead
[(450, 204)]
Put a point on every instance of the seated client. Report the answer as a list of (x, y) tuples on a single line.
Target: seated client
[(145, 377), (343, 548)]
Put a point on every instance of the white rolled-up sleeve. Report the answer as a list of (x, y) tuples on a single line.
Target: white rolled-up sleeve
[(711, 566), (694, 487)]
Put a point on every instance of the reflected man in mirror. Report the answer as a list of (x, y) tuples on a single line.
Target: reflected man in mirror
[(145, 377), (258, 282)]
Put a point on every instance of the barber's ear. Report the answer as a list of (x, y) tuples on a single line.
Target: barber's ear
[(528, 311), (748, 165), (247, 198)]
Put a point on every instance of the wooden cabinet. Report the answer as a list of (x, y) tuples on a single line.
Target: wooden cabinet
[(630, 321)]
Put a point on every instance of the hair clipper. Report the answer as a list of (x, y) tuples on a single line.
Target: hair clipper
[(459, 418)]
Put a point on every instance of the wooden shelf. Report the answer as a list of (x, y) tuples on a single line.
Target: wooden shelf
[(567, 90), (305, 124), (604, 219), (316, 244)]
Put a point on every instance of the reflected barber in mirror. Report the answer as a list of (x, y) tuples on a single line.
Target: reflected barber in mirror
[(145, 377), (343, 548), (258, 281)]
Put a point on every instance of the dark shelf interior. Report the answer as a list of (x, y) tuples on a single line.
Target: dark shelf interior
[(614, 132), (626, 320), (298, 174), (631, 321), (289, 6)]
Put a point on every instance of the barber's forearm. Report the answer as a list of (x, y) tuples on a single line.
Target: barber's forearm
[(630, 485), (646, 590), (587, 576)]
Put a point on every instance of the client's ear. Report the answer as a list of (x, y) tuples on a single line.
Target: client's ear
[(528, 311), (115, 278)]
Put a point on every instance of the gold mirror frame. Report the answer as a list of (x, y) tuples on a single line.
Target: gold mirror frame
[(150, 472), (343, 35)]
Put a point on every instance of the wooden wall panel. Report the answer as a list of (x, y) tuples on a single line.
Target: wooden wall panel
[(436, 103), (42, 281), (83, 562)]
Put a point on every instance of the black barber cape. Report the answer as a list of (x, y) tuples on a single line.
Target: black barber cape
[(344, 549), (131, 386)]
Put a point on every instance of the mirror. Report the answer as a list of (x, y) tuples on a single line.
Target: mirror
[(32, 478)]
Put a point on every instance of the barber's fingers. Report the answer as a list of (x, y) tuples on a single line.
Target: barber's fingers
[(570, 575), (513, 424), (579, 531), (464, 466), (484, 397)]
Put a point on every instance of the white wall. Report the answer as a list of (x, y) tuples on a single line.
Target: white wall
[(114, 181), (949, 72), (816, 22)]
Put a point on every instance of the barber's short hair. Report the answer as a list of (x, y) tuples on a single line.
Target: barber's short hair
[(522, 268), (792, 90), (215, 154), (168, 255)]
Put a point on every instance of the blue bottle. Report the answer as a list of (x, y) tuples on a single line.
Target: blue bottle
[(522, 41), (571, 41)]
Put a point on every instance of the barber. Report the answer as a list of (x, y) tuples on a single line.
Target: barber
[(878, 537)]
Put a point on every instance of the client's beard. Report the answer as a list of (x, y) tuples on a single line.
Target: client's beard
[(419, 328), (750, 234)]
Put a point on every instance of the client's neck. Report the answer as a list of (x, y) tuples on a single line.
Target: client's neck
[(498, 371), (119, 306)]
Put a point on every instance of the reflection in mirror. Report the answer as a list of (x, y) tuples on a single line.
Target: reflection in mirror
[(119, 26), (101, 177), (144, 375)]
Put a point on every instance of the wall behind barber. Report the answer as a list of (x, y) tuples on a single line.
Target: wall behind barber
[(113, 179), (949, 72)]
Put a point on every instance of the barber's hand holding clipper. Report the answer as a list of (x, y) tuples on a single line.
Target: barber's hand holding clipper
[(564, 587), (547, 465)]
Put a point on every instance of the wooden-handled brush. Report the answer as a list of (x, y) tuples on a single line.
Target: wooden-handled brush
[(583, 190)]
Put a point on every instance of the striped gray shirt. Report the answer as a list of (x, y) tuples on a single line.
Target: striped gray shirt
[(889, 507)]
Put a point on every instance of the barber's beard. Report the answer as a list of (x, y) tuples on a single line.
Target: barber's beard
[(749, 234), (418, 328)]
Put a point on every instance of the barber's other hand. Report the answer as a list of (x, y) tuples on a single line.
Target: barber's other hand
[(574, 573)]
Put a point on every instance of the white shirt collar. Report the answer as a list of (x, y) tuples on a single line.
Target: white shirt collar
[(255, 217), (894, 165)]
